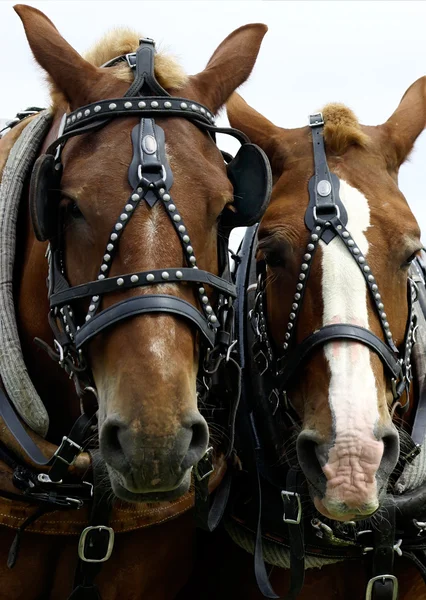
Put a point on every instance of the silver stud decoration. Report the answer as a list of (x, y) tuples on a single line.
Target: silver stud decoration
[(304, 267), (92, 307), (142, 104), (135, 197), (110, 247), (97, 108), (181, 228), (79, 115), (118, 226), (104, 268), (113, 236), (177, 218), (179, 274), (134, 278), (167, 104), (120, 281), (128, 207), (128, 105), (204, 300), (150, 277), (165, 275), (189, 249), (124, 217), (183, 105), (185, 238), (171, 207), (112, 106), (154, 104), (87, 112), (192, 260), (166, 197), (100, 277)]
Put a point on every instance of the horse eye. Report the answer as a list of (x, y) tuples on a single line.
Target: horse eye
[(73, 211), (410, 259), (273, 259)]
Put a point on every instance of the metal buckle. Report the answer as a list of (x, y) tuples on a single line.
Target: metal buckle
[(274, 398), (337, 215), (316, 120), (66, 440), (262, 365), (370, 584), (82, 542), (206, 460), (285, 495)]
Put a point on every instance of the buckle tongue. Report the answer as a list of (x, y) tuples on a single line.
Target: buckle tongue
[(96, 543)]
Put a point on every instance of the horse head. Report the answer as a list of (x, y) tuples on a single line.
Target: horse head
[(337, 294), (145, 366)]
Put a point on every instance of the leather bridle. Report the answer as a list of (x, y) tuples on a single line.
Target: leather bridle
[(326, 218)]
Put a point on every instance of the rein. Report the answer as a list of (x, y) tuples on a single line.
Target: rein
[(267, 417)]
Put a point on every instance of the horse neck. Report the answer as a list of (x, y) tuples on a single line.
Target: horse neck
[(52, 384)]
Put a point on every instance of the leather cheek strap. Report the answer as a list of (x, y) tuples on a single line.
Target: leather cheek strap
[(155, 303), (339, 332)]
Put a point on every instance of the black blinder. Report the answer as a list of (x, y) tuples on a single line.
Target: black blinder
[(250, 174), (44, 197)]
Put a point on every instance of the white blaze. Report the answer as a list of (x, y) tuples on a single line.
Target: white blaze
[(353, 391)]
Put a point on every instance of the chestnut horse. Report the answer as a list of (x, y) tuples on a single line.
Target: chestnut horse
[(145, 368), (335, 421)]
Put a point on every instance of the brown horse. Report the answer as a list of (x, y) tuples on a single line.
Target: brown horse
[(145, 368), (347, 445)]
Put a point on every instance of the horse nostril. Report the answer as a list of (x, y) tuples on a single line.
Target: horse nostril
[(198, 444), (312, 454), (111, 443), (391, 452)]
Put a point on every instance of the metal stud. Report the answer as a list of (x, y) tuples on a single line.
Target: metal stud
[(124, 217), (380, 306), (386, 325), (209, 116), (87, 112), (285, 346), (135, 197), (100, 277), (107, 257), (351, 242), (79, 115), (73, 118), (97, 108), (165, 275), (88, 317), (194, 107), (361, 260), (181, 228), (120, 281), (292, 316), (287, 336), (377, 296), (67, 329), (128, 207), (204, 300), (95, 298), (92, 307), (383, 315), (161, 191), (104, 268), (307, 257), (290, 326), (388, 334), (355, 250), (374, 287), (209, 310), (203, 110), (192, 260), (213, 319), (339, 227), (314, 237), (128, 105), (345, 234), (302, 276), (367, 269), (185, 238), (177, 218), (112, 106), (183, 105), (110, 247), (154, 104), (171, 207), (201, 290), (304, 267), (179, 274), (167, 104), (299, 286), (150, 277), (142, 104), (118, 226), (189, 249), (370, 278), (294, 306), (68, 122), (134, 278), (317, 227), (166, 197), (113, 236), (310, 247)]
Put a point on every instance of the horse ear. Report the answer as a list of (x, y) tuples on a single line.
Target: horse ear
[(230, 65), (405, 125), (73, 75), (259, 129)]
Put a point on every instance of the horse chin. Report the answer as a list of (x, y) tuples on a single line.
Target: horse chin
[(124, 491), (341, 516)]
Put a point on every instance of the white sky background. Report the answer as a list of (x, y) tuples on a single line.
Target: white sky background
[(364, 54)]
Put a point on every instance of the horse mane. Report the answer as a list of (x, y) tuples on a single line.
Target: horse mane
[(117, 42), (342, 129)]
